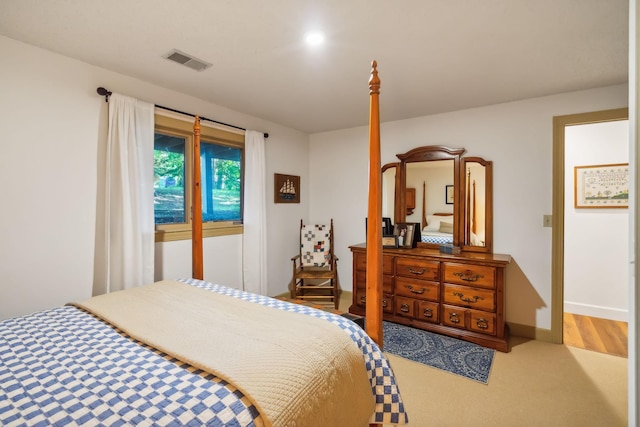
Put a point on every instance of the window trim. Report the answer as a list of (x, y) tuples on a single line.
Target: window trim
[(171, 125)]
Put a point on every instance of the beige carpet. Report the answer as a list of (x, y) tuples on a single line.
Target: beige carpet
[(536, 384)]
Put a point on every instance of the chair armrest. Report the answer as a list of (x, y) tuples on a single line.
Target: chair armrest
[(295, 258)]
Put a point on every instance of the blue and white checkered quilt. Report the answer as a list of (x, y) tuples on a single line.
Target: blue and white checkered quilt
[(65, 367), (440, 239)]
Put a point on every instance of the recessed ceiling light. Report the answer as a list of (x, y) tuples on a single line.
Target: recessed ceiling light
[(314, 38)]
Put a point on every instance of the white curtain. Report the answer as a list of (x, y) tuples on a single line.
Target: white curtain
[(254, 243), (129, 219)]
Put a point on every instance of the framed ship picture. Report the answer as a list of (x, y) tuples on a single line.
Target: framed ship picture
[(286, 188)]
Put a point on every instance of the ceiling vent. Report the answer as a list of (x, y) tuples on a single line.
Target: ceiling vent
[(187, 60)]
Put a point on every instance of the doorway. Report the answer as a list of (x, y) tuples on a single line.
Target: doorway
[(561, 190)]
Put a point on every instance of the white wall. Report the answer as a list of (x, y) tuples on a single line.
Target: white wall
[(516, 136), (596, 241), (53, 133)]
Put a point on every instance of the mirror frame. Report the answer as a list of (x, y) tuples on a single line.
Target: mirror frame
[(396, 189), (461, 192), (425, 154), (488, 206)]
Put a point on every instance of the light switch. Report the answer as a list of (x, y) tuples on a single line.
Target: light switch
[(547, 220)]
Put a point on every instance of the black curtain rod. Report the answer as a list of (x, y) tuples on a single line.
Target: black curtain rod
[(106, 93)]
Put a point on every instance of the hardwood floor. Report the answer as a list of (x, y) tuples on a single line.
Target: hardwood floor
[(592, 333)]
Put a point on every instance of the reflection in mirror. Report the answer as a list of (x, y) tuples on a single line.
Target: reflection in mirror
[(477, 204), (390, 180), (433, 210), (475, 207)]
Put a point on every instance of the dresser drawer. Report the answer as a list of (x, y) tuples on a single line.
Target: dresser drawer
[(418, 268), (361, 282), (387, 300), (467, 296), (428, 311), (420, 289), (405, 307), (483, 322), (453, 316), (473, 275), (360, 261)]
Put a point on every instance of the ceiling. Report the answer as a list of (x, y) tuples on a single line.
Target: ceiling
[(433, 56)]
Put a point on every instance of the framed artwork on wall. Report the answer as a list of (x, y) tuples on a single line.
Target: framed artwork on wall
[(448, 194), (601, 186), (286, 188)]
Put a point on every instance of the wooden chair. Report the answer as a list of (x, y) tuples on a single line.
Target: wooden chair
[(315, 271)]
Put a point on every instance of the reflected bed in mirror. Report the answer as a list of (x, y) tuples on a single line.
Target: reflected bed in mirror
[(438, 229)]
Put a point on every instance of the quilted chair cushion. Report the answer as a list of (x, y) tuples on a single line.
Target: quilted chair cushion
[(315, 245)]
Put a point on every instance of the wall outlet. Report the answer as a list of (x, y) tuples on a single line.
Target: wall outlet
[(547, 220)]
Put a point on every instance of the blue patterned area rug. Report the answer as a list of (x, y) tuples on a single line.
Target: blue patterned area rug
[(449, 354)]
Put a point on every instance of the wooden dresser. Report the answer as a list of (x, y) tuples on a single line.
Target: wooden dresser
[(457, 295)]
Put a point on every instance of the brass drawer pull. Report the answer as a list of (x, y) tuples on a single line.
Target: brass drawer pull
[(471, 300), (468, 276), (384, 303), (454, 317), (482, 323), (427, 313), (363, 299), (416, 291), (404, 308), (417, 272)]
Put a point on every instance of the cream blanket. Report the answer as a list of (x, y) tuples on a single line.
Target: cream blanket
[(297, 370)]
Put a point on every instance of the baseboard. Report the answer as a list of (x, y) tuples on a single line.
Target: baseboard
[(284, 294), (530, 332), (596, 311)]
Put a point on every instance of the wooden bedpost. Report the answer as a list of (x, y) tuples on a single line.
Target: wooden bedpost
[(373, 313), (196, 210), (424, 205)]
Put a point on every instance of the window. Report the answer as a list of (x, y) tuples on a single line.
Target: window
[(221, 168)]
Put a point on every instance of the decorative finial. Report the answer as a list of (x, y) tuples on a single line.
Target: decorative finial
[(104, 92), (374, 81)]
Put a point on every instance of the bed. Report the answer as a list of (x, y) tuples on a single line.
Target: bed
[(66, 366), (438, 229), (189, 352)]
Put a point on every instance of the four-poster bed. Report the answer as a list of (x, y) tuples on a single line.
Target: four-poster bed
[(190, 352)]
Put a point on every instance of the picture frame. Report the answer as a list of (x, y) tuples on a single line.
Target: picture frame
[(389, 241), (448, 194), (601, 186), (387, 227), (404, 232), (286, 188)]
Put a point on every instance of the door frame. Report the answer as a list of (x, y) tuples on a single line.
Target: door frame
[(557, 222)]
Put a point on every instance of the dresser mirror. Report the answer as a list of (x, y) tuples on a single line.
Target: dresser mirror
[(477, 204), (390, 187), (448, 195)]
